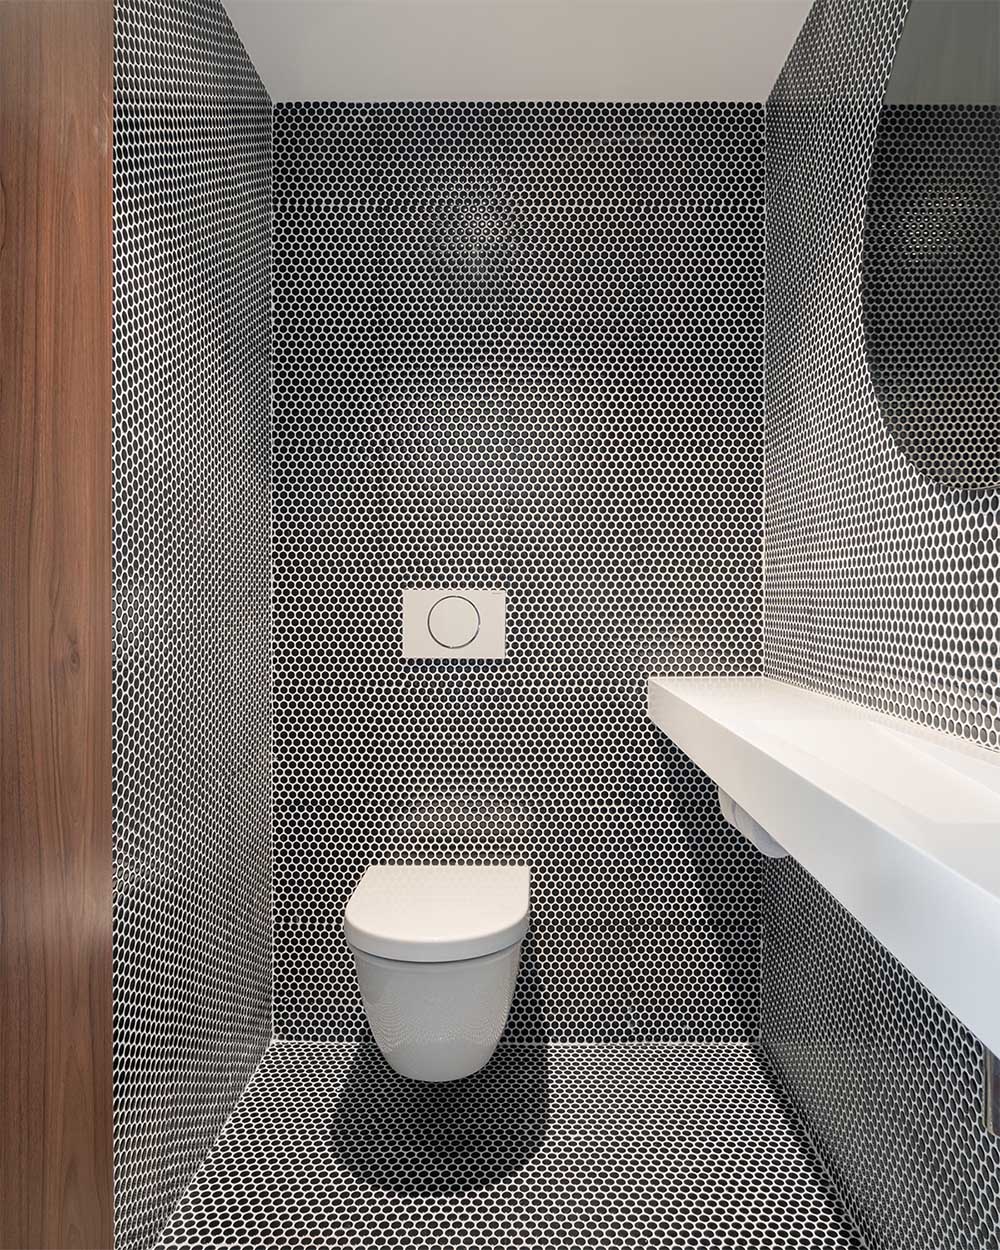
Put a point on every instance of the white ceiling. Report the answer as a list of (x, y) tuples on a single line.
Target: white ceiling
[(661, 50)]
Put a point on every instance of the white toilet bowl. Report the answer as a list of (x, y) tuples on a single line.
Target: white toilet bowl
[(437, 949)]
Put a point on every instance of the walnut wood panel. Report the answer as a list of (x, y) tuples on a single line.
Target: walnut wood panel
[(55, 623)]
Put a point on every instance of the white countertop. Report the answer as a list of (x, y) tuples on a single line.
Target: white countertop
[(900, 823)]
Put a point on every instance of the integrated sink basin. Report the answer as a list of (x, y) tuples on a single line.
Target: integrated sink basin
[(900, 823)]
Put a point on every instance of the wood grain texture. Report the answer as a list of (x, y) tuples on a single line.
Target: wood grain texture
[(55, 624)]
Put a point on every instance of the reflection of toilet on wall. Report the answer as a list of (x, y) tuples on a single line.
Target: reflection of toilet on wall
[(437, 950)]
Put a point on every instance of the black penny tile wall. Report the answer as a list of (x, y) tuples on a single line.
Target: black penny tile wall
[(888, 1083), (880, 587), (191, 762), (518, 346)]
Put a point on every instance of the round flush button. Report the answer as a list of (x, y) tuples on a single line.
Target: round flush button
[(453, 622)]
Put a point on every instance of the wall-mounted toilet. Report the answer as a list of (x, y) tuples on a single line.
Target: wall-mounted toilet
[(437, 951)]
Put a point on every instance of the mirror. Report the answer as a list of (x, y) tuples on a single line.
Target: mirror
[(931, 263)]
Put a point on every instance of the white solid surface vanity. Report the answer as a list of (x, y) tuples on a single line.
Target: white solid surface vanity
[(900, 823)]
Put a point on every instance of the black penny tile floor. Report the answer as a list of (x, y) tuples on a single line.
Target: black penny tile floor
[(558, 1146)]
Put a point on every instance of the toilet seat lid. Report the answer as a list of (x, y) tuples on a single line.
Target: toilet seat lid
[(423, 913)]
